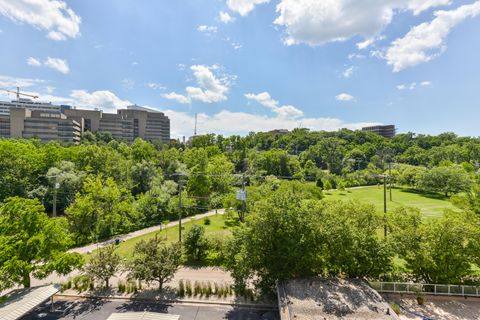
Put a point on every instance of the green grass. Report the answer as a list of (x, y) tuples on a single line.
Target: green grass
[(430, 205), (220, 226)]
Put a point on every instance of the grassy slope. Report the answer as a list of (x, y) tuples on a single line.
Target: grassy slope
[(219, 227), (430, 205)]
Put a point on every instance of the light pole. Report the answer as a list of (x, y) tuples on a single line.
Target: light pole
[(180, 207), (56, 187)]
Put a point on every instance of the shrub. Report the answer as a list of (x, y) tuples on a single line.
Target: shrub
[(82, 283), (121, 287), (207, 221), (188, 288), (181, 289), (396, 308), (197, 289)]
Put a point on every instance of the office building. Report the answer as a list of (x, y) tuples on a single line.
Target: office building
[(384, 131), (26, 123), (24, 118)]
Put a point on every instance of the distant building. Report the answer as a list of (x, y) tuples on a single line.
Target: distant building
[(25, 119), (133, 122), (384, 131), (26, 123)]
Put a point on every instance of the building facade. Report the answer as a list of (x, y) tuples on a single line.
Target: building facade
[(388, 131), (27, 119), (47, 126)]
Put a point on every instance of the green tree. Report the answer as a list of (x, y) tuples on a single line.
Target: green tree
[(196, 244), (447, 180), (103, 265), (436, 250), (31, 244), (154, 261)]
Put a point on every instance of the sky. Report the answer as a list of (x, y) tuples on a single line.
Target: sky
[(252, 65)]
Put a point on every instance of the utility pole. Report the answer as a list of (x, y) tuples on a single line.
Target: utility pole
[(244, 202), (180, 211), (57, 186), (390, 178), (385, 205)]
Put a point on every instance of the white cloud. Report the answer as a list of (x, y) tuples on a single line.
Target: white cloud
[(348, 72), (345, 97), (356, 56), (210, 88), (285, 111), (12, 82), (427, 40), (57, 64), (177, 97), (413, 85), (236, 45), (33, 62), (243, 7), (53, 16), (315, 22), (225, 17), (227, 123), (105, 100), (155, 86), (207, 29)]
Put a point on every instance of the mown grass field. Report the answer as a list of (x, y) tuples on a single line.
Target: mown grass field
[(430, 205), (220, 226)]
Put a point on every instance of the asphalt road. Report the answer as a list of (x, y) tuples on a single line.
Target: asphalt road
[(101, 310)]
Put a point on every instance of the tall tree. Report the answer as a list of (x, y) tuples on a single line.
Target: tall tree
[(154, 261), (32, 244)]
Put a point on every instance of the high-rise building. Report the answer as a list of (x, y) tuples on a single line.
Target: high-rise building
[(384, 131), (26, 123), (25, 118)]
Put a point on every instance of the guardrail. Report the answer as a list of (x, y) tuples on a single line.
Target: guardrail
[(424, 288)]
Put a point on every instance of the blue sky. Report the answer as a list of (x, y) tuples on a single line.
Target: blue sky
[(253, 65)]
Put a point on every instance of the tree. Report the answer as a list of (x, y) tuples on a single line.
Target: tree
[(196, 244), (154, 261), (436, 250), (103, 264), (102, 210), (447, 180), (32, 244)]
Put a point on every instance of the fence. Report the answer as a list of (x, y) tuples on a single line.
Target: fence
[(430, 289)]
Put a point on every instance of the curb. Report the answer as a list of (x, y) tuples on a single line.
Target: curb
[(222, 303)]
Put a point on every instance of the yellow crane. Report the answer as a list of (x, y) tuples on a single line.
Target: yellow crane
[(18, 93)]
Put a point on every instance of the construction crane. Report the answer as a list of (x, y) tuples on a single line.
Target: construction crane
[(18, 93)]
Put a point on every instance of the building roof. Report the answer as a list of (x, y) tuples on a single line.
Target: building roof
[(142, 316), (331, 298), (21, 302)]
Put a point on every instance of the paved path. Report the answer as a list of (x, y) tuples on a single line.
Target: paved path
[(138, 233)]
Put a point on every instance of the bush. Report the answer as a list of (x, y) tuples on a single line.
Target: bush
[(188, 288), (197, 289), (207, 221), (121, 287), (396, 308), (181, 289), (82, 283)]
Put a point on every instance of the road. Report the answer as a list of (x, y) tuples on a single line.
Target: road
[(138, 233)]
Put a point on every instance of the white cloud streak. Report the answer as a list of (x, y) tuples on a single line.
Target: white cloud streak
[(244, 7), (225, 17), (427, 40), (53, 16), (284, 111), (345, 97)]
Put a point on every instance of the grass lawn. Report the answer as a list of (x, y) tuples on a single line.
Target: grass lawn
[(220, 226), (430, 205)]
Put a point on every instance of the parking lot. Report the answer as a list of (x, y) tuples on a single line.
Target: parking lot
[(102, 309)]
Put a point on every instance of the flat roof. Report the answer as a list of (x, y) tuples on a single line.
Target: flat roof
[(142, 316), (20, 302)]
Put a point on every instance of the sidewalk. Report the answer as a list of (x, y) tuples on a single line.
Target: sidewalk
[(138, 233)]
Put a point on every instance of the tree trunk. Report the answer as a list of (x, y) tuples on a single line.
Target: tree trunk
[(160, 285), (106, 282), (26, 280)]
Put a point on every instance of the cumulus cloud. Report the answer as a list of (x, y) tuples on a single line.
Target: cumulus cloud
[(225, 17), (33, 62), (345, 97), (227, 123), (427, 40), (244, 7), (53, 16), (285, 111), (316, 22), (105, 100), (210, 88), (59, 65)]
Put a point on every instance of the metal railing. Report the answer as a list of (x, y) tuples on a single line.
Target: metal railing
[(423, 288)]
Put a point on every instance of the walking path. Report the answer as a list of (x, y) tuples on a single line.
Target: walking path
[(138, 233)]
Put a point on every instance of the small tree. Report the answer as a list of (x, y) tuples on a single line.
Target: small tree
[(328, 186), (196, 245), (153, 261), (103, 265)]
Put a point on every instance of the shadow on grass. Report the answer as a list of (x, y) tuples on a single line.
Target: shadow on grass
[(430, 195), (230, 223)]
